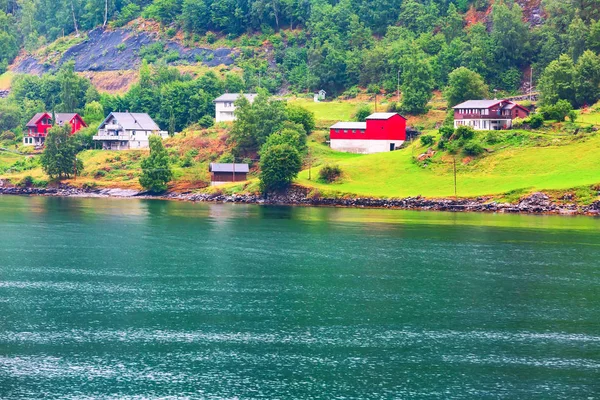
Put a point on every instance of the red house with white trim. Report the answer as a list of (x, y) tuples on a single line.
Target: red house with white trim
[(380, 133), (488, 115), (38, 126)]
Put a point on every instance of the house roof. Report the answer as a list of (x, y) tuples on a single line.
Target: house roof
[(478, 104), (36, 118), (382, 115), (62, 118), (219, 167), (133, 121), (227, 97), (349, 125)]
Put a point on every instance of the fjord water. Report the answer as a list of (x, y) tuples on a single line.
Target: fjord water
[(113, 298)]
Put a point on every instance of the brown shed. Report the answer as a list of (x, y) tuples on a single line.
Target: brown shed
[(224, 173)]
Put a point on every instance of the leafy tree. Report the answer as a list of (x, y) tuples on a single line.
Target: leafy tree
[(59, 158), (558, 111), (509, 34), (279, 165), (587, 78), (362, 113), (94, 112), (452, 24), (464, 84), (10, 117), (292, 134), (302, 116), (256, 121), (556, 82), (156, 168), (417, 86)]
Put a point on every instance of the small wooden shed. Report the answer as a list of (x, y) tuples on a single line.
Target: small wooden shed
[(225, 173)]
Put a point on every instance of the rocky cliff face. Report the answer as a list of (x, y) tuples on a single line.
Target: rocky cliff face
[(119, 50)]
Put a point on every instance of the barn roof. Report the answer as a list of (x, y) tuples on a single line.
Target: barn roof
[(35, 119), (382, 115), (350, 125), (227, 97), (220, 167), (133, 121), (478, 104)]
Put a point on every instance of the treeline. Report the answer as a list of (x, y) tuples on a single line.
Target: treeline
[(342, 44), (172, 99)]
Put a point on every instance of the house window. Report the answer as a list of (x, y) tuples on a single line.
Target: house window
[(345, 130)]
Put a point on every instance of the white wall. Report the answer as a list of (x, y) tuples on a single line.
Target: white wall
[(483, 124), (224, 112), (364, 146)]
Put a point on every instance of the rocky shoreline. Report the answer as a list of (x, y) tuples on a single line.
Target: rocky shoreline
[(537, 203)]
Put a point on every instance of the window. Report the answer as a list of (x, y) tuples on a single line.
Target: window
[(345, 130)]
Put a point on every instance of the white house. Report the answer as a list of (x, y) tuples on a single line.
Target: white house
[(225, 106), (123, 131)]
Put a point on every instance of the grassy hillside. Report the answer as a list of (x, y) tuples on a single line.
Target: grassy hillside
[(396, 174)]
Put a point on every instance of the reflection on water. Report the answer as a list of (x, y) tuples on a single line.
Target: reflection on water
[(153, 299)]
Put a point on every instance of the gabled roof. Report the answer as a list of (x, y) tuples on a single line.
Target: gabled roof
[(349, 125), (478, 103), (63, 118), (383, 115), (32, 123), (133, 121), (218, 167), (229, 97)]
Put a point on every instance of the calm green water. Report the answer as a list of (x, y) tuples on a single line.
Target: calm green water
[(147, 299)]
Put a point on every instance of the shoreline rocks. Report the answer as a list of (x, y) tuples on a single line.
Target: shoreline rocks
[(537, 203)]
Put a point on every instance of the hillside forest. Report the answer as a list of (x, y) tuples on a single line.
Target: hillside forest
[(382, 45)]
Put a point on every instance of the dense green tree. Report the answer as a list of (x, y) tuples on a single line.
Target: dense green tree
[(279, 165), (586, 79), (302, 116), (417, 86), (10, 116), (255, 122), (464, 84), (556, 82), (156, 168), (59, 159), (509, 34)]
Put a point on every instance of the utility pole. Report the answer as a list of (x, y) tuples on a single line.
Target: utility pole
[(398, 86), (375, 102), (233, 168), (455, 191), (530, 82), (309, 165)]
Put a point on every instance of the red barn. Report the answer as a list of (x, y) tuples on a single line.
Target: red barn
[(381, 132), (38, 126)]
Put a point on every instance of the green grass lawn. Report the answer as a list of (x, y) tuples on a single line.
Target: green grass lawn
[(395, 174), (6, 79), (330, 110)]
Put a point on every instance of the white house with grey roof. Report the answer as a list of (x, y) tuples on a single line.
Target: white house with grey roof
[(225, 105), (124, 131)]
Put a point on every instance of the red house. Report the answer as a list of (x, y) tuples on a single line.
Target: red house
[(38, 126), (487, 115), (381, 132)]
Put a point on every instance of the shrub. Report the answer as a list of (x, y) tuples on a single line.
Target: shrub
[(492, 137), (362, 113), (572, 115), (442, 144), (473, 149), (206, 121), (464, 132), (558, 111), (393, 107), (330, 173), (211, 37), (351, 93), (8, 135), (374, 89), (427, 140), (518, 122), (535, 121), (121, 47), (446, 131), (27, 181)]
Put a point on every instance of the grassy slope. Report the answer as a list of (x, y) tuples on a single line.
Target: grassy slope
[(396, 175)]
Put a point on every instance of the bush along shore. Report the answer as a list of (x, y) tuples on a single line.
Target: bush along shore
[(536, 203)]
